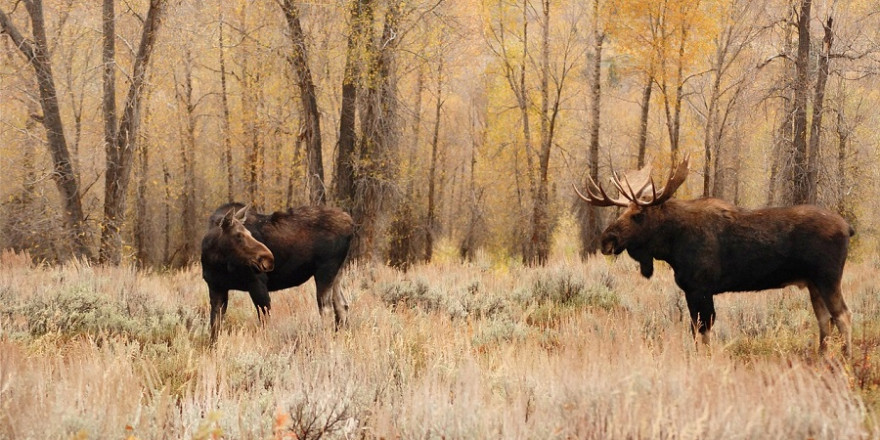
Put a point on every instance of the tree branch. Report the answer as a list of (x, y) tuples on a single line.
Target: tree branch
[(25, 46)]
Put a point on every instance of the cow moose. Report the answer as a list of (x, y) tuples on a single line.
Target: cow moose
[(715, 247), (260, 253)]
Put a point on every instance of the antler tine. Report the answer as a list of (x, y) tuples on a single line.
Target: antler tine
[(615, 179), (677, 176), (619, 201), (601, 199), (594, 190), (636, 195)]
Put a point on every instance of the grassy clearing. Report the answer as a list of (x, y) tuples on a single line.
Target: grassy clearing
[(573, 350)]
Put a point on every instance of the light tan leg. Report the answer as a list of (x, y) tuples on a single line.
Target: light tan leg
[(841, 317), (340, 305), (823, 316)]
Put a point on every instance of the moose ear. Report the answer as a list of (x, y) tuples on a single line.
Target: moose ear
[(241, 214), (226, 221)]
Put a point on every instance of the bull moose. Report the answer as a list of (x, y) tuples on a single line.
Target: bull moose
[(260, 253), (715, 247)]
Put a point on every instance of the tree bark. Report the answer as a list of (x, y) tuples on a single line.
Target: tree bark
[(709, 137), (781, 170), (309, 106), (432, 170), (187, 159), (539, 243), (121, 152), (142, 219), (360, 19), (813, 152), (800, 180), (842, 147), (645, 108), (142, 213), (592, 228), (227, 131), (37, 55), (375, 173), (673, 115)]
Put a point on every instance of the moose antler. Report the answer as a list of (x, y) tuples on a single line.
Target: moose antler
[(677, 176), (597, 196), (638, 194)]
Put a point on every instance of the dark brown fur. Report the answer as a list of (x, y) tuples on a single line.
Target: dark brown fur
[(305, 242), (715, 247)]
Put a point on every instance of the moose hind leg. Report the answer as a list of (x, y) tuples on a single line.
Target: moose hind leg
[(840, 316), (322, 292), (823, 316), (330, 295), (340, 305)]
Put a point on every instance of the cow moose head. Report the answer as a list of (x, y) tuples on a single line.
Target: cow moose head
[(239, 244)]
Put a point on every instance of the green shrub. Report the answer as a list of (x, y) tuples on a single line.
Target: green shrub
[(80, 309)]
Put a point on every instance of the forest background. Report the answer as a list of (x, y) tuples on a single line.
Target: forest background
[(441, 125)]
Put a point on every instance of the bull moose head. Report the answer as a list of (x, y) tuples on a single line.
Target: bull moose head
[(636, 229), (240, 245)]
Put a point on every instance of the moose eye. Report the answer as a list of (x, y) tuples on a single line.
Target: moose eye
[(638, 217)]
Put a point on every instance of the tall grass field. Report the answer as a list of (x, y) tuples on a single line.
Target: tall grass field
[(448, 351)]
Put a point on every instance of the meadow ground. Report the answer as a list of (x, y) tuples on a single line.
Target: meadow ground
[(486, 350)]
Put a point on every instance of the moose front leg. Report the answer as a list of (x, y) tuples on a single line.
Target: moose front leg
[(219, 300), (260, 296), (702, 310)]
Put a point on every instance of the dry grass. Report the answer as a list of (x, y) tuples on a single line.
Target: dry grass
[(573, 350)]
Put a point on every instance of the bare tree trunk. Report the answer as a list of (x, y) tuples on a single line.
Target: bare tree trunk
[(539, 243), (166, 243), (645, 107), (591, 229), (252, 132), (108, 58), (361, 15), (227, 131), (375, 171), (187, 159), (120, 152), (432, 170), (800, 180), (818, 109), (709, 134), (475, 227), (142, 211), (673, 115), (416, 130), (37, 55), (523, 100), (842, 147), (311, 116), (781, 170)]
